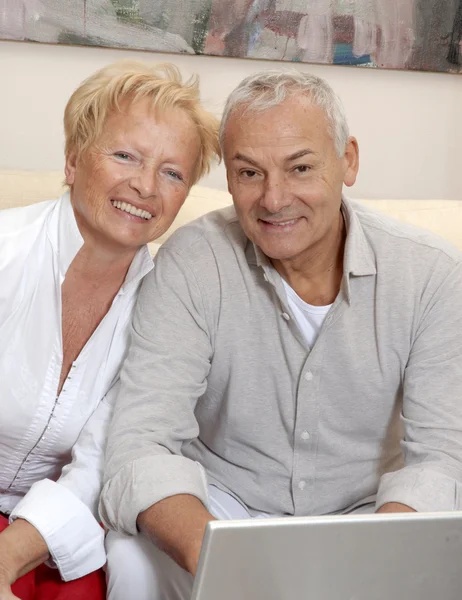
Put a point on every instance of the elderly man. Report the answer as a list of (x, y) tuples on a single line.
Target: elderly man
[(294, 355)]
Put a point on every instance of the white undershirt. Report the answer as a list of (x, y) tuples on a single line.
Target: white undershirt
[(309, 318)]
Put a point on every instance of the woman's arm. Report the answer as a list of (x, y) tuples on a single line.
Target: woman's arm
[(63, 514), (22, 548)]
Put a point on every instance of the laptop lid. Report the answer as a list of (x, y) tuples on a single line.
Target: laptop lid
[(358, 557)]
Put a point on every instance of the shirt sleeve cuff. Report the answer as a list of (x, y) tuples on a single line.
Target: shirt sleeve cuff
[(74, 538), (146, 481), (423, 490)]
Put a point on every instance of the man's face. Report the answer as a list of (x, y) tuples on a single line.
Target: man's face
[(128, 187), (285, 176)]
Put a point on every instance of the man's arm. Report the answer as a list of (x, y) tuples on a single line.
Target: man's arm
[(149, 484), (177, 526), (431, 479)]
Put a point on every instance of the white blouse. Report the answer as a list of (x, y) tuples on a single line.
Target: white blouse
[(52, 447)]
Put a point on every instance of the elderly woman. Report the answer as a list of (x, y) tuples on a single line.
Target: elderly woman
[(137, 139)]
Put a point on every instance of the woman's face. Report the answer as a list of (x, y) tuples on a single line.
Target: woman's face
[(128, 187)]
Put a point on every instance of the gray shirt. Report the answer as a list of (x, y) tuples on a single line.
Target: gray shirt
[(219, 374)]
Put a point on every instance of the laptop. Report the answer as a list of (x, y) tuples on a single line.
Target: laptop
[(358, 557)]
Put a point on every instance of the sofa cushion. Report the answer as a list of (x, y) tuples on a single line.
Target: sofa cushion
[(443, 217), (20, 188)]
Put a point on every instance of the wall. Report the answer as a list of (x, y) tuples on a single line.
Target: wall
[(409, 125)]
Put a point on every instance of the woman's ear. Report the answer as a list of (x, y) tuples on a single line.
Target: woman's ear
[(70, 168)]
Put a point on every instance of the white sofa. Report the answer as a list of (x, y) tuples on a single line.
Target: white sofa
[(444, 217)]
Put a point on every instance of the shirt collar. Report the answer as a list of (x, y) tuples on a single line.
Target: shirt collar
[(358, 258), (66, 241), (64, 234), (141, 265), (255, 256)]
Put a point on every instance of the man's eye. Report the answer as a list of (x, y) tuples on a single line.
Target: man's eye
[(302, 168), (248, 173)]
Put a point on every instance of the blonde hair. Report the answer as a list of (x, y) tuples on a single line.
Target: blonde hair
[(104, 91)]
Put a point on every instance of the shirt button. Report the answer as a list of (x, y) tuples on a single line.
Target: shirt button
[(308, 375), (286, 316), (305, 435), (302, 485)]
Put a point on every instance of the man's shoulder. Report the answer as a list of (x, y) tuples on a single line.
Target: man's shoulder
[(215, 233), (21, 219), (391, 235)]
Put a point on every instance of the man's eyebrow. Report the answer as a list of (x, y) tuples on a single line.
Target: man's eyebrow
[(244, 158), (289, 158), (298, 154)]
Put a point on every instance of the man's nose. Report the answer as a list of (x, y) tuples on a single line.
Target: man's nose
[(275, 195)]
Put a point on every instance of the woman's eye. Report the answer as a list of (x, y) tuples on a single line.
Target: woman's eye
[(122, 155), (175, 175)]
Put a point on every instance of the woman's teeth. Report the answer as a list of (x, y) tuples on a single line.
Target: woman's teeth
[(129, 208)]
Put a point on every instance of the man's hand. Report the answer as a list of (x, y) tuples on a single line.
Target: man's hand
[(177, 526), (22, 548), (395, 507)]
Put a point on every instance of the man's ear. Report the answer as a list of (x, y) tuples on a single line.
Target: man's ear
[(351, 158), (70, 168)]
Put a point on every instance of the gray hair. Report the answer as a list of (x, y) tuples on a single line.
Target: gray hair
[(266, 89)]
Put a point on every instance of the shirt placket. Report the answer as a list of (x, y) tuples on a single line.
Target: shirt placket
[(306, 412), (309, 403), (306, 433), (53, 422)]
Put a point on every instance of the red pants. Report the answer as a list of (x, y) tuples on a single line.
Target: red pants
[(44, 583)]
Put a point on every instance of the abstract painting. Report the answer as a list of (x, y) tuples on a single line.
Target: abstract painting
[(394, 34)]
